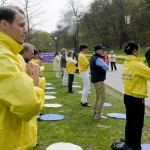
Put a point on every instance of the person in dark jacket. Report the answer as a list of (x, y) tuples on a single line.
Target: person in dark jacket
[(63, 66), (98, 74), (147, 55)]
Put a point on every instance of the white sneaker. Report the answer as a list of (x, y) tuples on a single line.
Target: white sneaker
[(100, 117)]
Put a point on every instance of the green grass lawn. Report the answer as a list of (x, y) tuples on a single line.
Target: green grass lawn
[(79, 126)]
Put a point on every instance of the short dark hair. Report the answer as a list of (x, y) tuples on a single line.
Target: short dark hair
[(130, 46), (36, 52), (8, 13), (83, 46)]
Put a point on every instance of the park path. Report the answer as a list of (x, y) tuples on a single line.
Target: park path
[(113, 79)]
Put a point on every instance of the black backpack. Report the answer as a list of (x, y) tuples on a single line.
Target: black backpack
[(120, 145)]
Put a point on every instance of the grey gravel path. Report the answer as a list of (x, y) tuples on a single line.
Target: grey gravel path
[(113, 79)]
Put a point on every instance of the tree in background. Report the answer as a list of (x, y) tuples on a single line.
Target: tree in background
[(70, 27), (111, 23), (104, 24), (32, 11), (140, 21), (42, 41), (6, 2)]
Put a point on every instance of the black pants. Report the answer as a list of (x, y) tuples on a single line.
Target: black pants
[(70, 81), (135, 108), (113, 64), (62, 74)]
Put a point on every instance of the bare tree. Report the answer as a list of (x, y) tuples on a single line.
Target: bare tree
[(2, 2), (5, 2), (32, 11), (74, 12)]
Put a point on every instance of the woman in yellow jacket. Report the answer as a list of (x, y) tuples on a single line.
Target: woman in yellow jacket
[(41, 69), (70, 67), (37, 61), (134, 77)]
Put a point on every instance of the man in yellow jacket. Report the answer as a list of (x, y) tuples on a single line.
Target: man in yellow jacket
[(28, 53), (20, 98), (83, 64)]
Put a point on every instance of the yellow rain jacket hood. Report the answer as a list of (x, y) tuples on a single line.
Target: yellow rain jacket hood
[(134, 77), (20, 101)]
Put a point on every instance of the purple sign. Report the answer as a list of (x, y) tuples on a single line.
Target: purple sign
[(47, 57)]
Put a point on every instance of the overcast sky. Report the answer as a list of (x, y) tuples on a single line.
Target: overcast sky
[(52, 10)]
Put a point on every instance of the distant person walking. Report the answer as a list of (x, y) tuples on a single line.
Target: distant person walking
[(105, 58), (147, 55), (56, 64), (83, 69), (63, 66), (134, 77), (98, 75), (112, 59)]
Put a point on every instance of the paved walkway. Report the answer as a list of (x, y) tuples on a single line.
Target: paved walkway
[(113, 79)]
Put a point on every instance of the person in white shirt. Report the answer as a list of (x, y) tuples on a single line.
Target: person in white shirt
[(112, 59)]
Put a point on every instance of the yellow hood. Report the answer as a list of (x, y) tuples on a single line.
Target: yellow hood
[(133, 58), (134, 77)]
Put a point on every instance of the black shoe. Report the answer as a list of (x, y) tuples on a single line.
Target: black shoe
[(38, 119), (64, 85), (37, 144), (72, 92), (41, 114), (86, 104)]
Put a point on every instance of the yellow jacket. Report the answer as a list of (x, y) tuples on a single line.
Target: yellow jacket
[(41, 79), (20, 101), (82, 62), (70, 67), (36, 62), (42, 83), (134, 77)]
